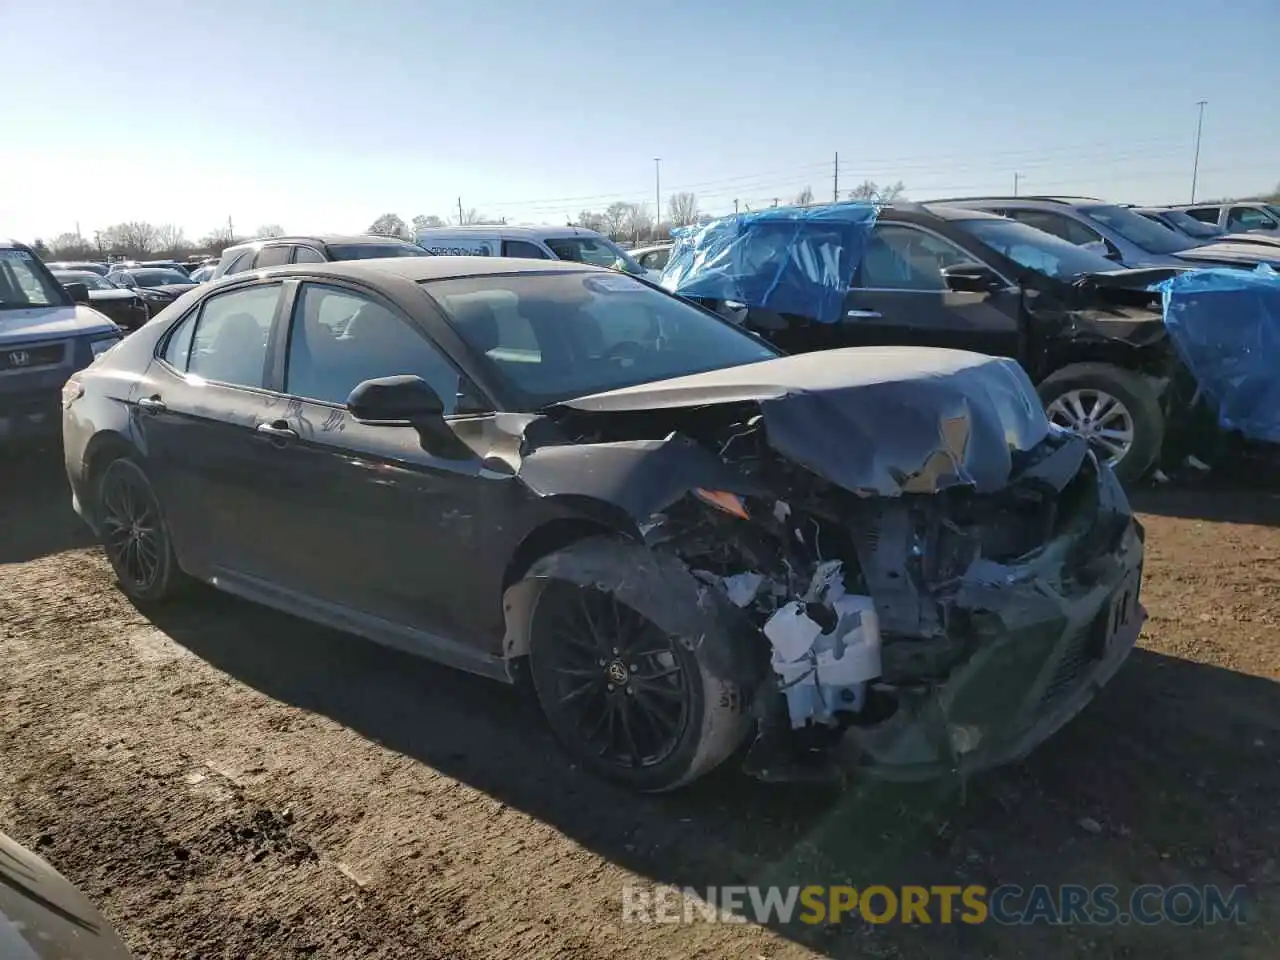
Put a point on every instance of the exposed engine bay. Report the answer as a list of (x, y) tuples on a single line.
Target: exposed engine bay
[(952, 621)]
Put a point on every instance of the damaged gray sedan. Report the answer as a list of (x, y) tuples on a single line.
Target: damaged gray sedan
[(875, 558)]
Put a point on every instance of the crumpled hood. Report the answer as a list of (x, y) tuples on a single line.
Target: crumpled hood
[(878, 421), (47, 323)]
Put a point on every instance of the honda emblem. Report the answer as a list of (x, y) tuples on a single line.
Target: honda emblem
[(19, 358)]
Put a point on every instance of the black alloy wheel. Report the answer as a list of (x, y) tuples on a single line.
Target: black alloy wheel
[(616, 680), (134, 534)]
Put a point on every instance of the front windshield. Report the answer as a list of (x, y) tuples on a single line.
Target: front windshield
[(555, 336), (374, 251), (1035, 249), (597, 251), (1137, 229), (158, 278), (90, 280), (24, 282)]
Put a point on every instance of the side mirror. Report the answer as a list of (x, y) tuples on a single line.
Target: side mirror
[(971, 278), (395, 401), (79, 292)]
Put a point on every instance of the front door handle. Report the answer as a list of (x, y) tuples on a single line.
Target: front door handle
[(278, 430), (864, 315), (152, 405)]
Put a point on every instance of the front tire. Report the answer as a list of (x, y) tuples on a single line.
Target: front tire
[(134, 533), (633, 703), (1115, 408)]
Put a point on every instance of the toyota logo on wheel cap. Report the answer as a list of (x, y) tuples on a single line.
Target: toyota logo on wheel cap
[(19, 358)]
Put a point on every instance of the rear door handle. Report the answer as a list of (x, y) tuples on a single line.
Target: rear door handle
[(278, 430), (864, 314), (152, 405)]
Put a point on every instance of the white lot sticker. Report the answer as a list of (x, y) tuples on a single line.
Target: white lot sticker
[(16, 255), (612, 284)]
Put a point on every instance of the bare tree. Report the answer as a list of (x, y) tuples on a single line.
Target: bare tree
[(638, 221), (70, 246), (136, 238), (869, 190), (170, 239), (683, 208), (269, 230), (804, 197), (614, 218), (389, 225), (424, 222), (590, 220), (218, 239)]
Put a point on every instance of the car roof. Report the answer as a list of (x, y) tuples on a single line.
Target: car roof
[(417, 269), (325, 238), (940, 210), (1029, 200), (526, 232)]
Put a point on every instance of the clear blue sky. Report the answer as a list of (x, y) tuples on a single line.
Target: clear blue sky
[(323, 114)]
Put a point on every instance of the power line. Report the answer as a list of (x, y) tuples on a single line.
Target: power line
[(765, 183)]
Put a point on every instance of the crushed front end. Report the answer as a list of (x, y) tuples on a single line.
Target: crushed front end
[(921, 634)]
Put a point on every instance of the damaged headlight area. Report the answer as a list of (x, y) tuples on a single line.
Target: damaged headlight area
[(925, 633)]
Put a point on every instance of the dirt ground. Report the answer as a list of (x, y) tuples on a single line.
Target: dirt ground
[(225, 781)]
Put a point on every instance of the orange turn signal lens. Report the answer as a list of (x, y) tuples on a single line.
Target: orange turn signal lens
[(729, 503)]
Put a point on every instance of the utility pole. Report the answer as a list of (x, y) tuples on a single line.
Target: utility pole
[(460, 211), (231, 231), (1015, 183), (78, 230), (1195, 167), (735, 204), (835, 181), (657, 189)]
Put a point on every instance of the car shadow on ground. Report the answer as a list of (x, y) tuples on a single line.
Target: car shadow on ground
[(1165, 778), (32, 484), (1230, 496)]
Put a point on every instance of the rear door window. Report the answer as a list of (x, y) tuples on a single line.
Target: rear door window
[(1072, 231), (307, 255), (900, 257), (275, 256), (523, 249), (231, 334)]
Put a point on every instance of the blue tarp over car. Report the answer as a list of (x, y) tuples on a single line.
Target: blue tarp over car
[(797, 260), (1225, 324)]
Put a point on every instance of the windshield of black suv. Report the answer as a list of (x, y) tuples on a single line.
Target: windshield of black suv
[(596, 251), (88, 278), (374, 251), (555, 336), (158, 277), (1137, 229), (1035, 249), (24, 282)]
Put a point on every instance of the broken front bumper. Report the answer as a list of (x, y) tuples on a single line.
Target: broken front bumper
[(1044, 649)]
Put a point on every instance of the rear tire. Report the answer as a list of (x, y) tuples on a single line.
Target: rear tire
[(1124, 396), (134, 533), (633, 703)]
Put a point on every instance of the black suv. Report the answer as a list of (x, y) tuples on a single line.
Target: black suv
[(277, 251), (1090, 335)]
